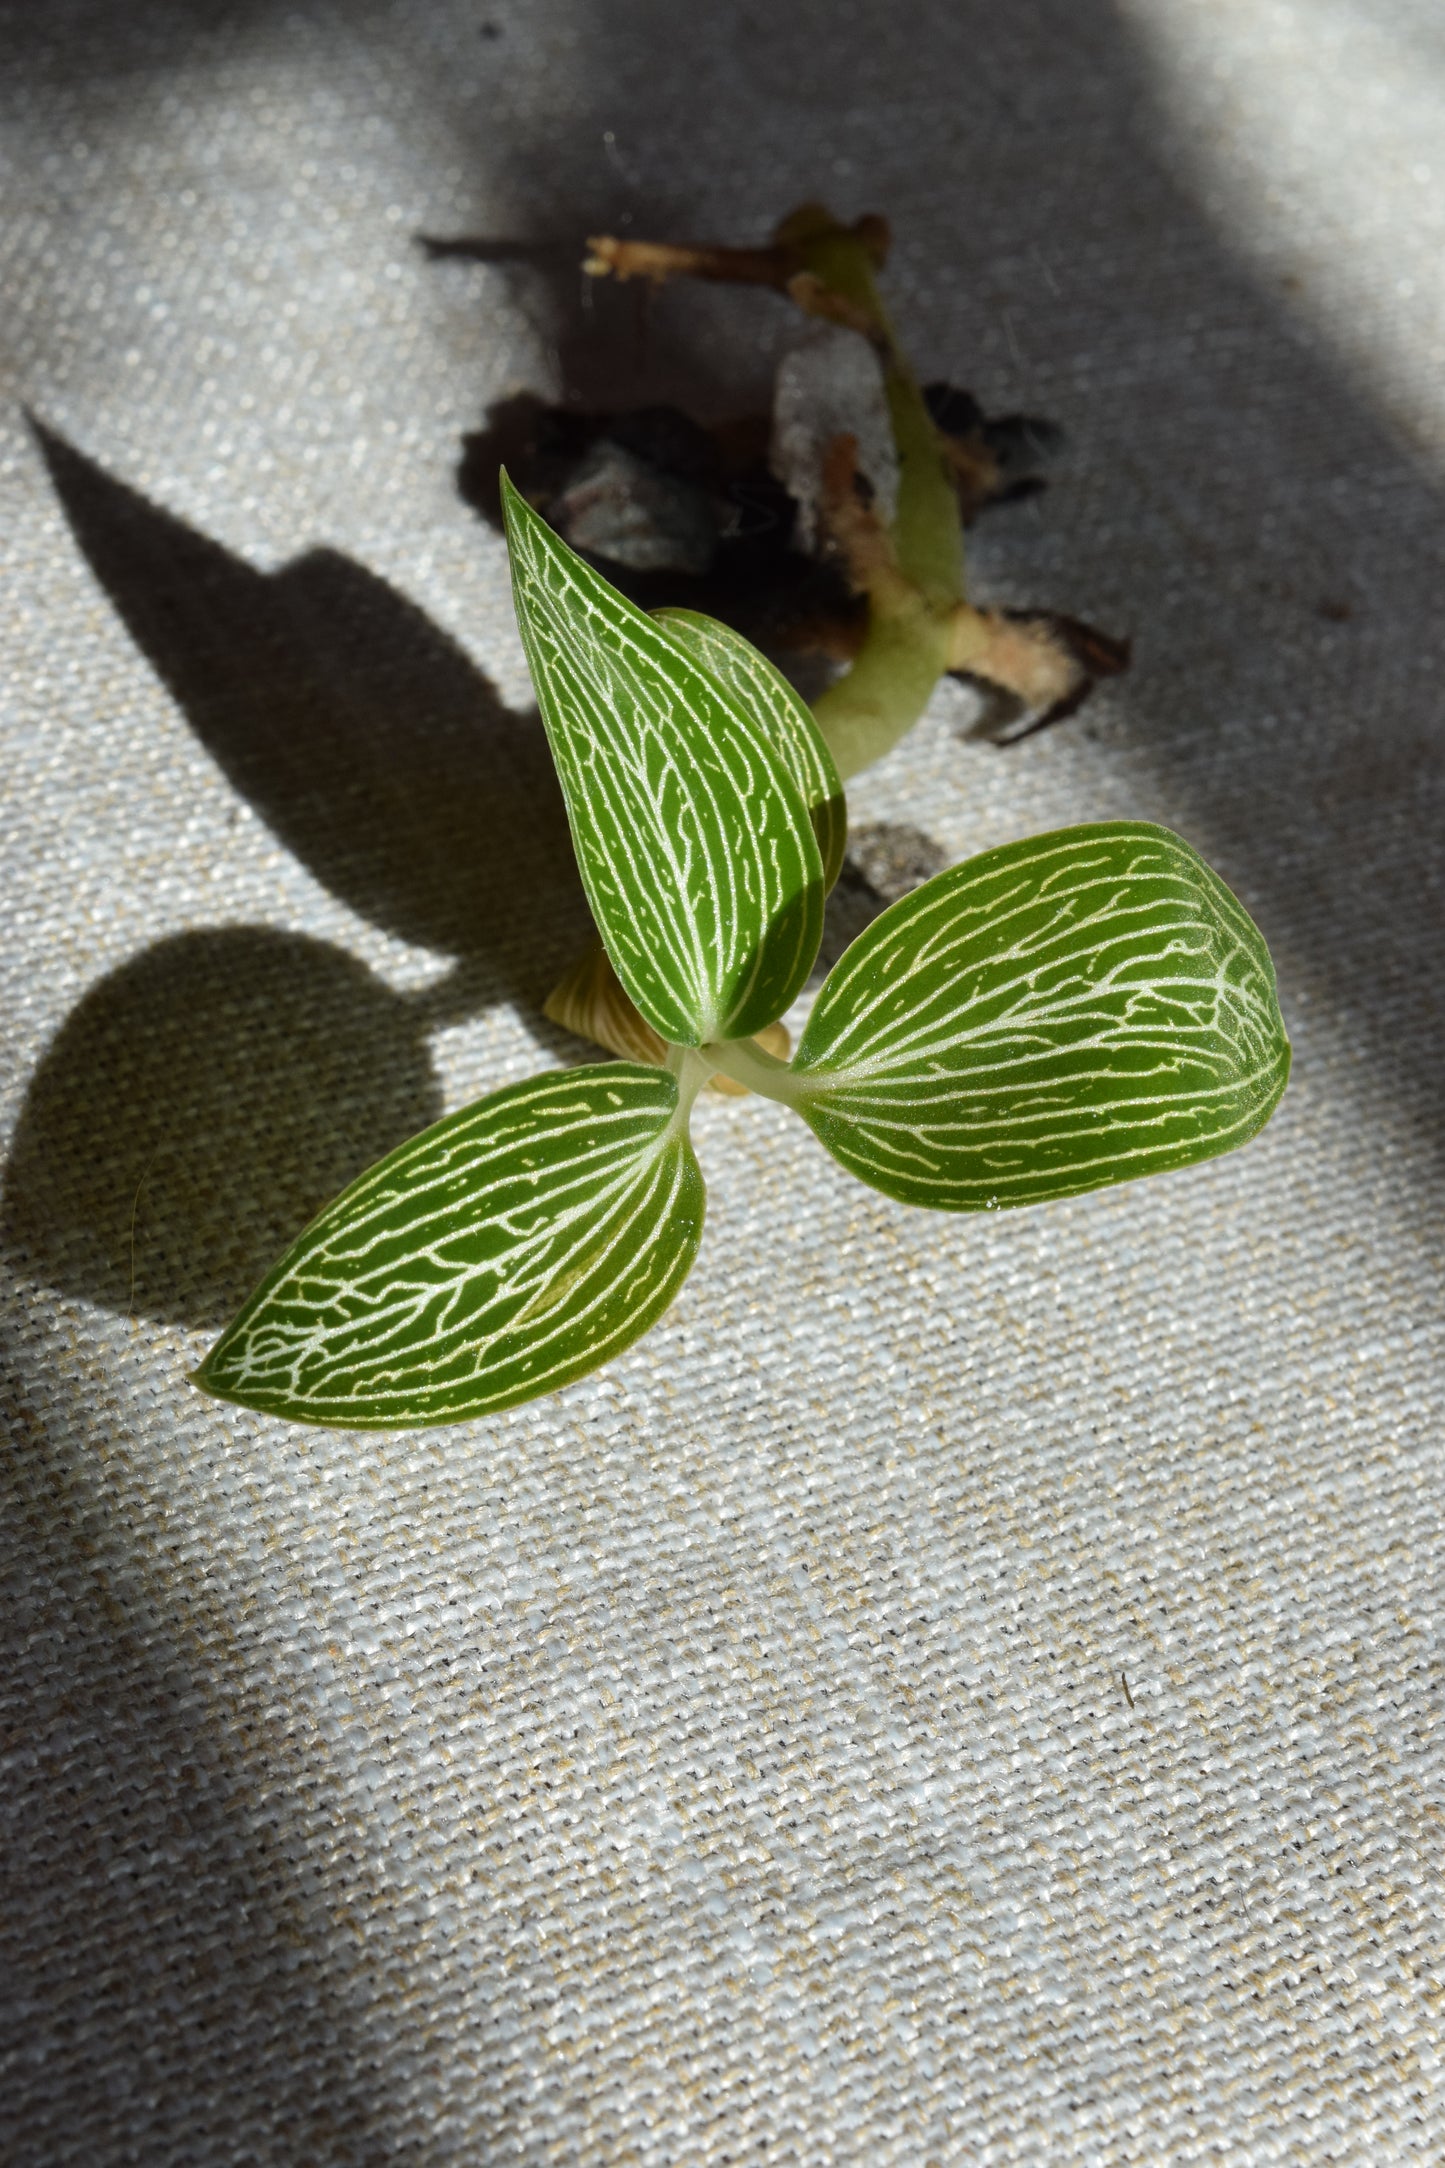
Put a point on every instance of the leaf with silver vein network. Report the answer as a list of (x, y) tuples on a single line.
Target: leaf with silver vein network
[(1069, 1011), (502, 1253), (693, 838), (769, 703)]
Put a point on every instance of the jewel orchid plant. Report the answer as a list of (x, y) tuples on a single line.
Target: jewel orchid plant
[(1059, 1014)]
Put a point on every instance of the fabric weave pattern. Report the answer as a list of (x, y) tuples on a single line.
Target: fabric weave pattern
[(958, 1690)]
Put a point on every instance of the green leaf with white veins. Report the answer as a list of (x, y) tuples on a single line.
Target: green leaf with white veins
[(502, 1253), (1066, 1012), (770, 703), (692, 835)]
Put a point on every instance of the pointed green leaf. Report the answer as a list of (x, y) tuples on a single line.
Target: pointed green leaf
[(1065, 1012), (500, 1254), (693, 838), (769, 702)]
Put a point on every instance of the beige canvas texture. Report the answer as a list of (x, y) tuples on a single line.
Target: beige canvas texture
[(960, 1690)]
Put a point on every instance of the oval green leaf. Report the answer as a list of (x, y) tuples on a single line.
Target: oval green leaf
[(693, 838), (502, 1253), (1066, 1012), (769, 703)]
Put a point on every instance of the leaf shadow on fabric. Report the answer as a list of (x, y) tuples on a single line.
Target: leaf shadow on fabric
[(371, 746), (198, 1108), (205, 1100)]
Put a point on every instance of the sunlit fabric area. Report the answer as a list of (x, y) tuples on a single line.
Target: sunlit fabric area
[(963, 1687)]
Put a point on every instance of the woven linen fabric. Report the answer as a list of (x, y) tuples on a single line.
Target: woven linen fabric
[(960, 1690)]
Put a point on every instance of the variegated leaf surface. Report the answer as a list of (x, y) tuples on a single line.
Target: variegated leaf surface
[(692, 835), (502, 1253), (1065, 1012), (769, 703)]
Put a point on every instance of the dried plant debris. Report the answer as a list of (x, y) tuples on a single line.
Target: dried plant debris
[(830, 385), (994, 460), (765, 521), (778, 523), (1034, 668), (674, 513), (620, 510), (786, 264)]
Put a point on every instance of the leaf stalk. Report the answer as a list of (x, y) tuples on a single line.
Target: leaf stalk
[(748, 1065)]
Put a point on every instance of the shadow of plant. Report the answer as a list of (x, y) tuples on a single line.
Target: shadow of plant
[(198, 1108), (373, 748), (206, 1099)]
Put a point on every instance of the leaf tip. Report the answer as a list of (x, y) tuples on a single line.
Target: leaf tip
[(218, 1373), (514, 505), (204, 1376)]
